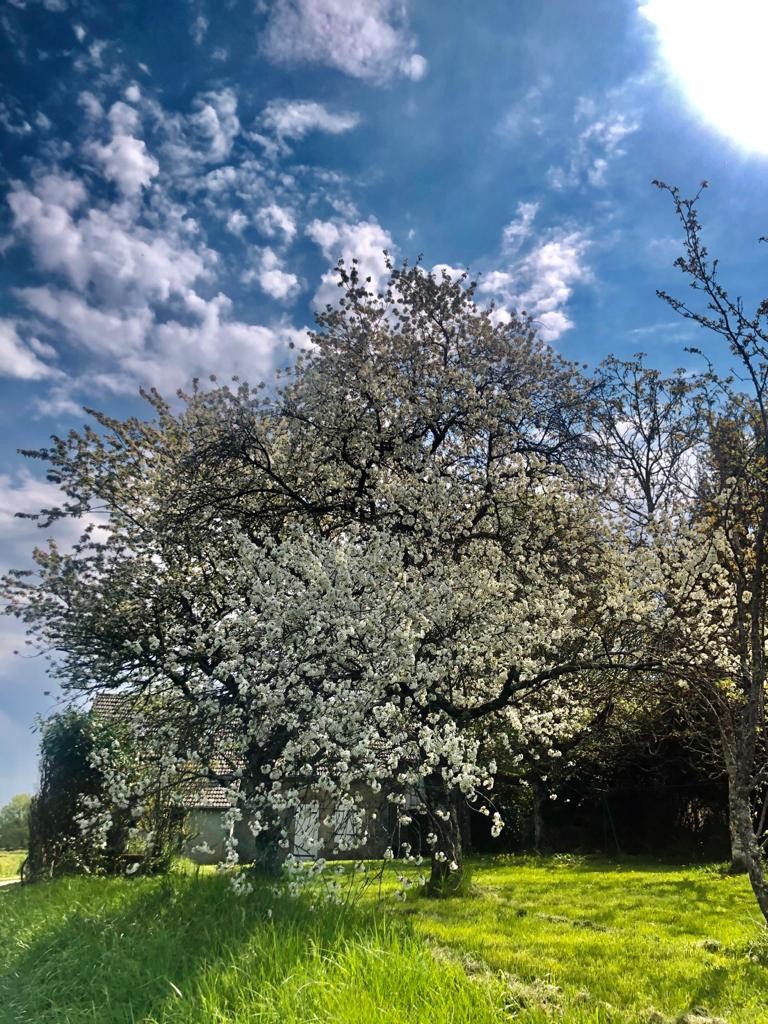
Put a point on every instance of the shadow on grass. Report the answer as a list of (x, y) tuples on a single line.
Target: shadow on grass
[(121, 952)]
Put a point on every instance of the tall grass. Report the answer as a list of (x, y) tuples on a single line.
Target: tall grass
[(186, 949)]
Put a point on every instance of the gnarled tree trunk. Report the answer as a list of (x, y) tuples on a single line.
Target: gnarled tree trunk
[(755, 867)]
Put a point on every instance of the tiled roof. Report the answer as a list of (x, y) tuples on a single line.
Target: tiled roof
[(196, 794), (110, 705), (205, 796)]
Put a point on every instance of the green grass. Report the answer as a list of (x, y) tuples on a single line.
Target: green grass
[(618, 941), (537, 942), (10, 862)]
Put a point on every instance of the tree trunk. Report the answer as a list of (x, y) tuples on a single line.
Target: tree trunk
[(539, 794), (755, 868), (265, 854), (739, 864), (447, 868)]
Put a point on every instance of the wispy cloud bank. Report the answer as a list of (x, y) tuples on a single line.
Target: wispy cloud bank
[(293, 119), (367, 40), (598, 144)]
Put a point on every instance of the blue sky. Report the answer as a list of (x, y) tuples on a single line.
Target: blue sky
[(178, 178)]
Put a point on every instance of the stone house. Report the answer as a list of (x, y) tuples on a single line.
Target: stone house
[(205, 803)]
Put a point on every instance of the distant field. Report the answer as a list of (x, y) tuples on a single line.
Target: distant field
[(538, 942), (10, 862)]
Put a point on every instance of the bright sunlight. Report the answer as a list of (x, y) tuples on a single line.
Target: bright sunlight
[(715, 52)]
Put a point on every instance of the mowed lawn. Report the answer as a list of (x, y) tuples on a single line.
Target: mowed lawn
[(10, 862), (536, 942)]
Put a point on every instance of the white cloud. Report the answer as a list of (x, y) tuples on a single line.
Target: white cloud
[(272, 218), (18, 359), (414, 67), (49, 5), (59, 402), (271, 276), (237, 222), (23, 493), (519, 229), (126, 162), (204, 136), (198, 29), (101, 332), (91, 105), (216, 119), (293, 119), (123, 118), (496, 282), (367, 40), (104, 251), (126, 287), (132, 301), (528, 114), (552, 324), (213, 342), (364, 241), (13, 120), (552, 269), (61, 190), (125, 159), (93, 57), (165, 353), (278, 284), (454, 273)]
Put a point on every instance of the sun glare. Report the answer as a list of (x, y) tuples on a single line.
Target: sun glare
[(715, 51)]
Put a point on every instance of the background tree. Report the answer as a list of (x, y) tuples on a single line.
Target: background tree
[(651, 432), (658, 436), (56, 843), (99, 808), (731, 594), (14, 823)]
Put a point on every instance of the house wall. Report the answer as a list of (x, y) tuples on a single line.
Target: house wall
[(309, 822), (204, 826)]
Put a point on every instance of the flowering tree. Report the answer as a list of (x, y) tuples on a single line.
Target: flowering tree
[(355, 578)]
